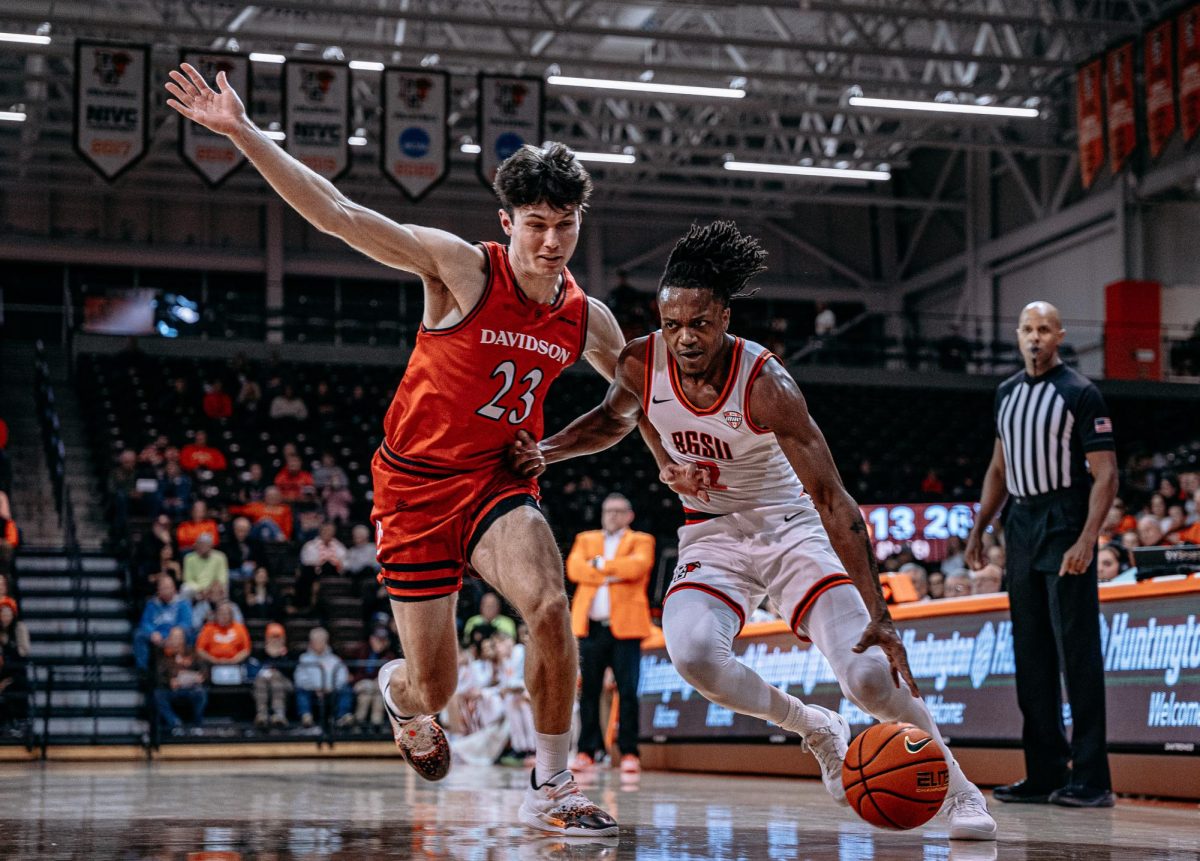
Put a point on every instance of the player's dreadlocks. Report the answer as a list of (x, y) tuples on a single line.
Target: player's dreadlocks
[(716, 257)]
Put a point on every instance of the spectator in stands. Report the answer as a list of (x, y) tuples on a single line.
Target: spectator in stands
[(260, 598), (1111, 565), (359, 408), (218, 406), (159, 535), (996, 556), (271, 519), (323, 556), (207, 603), (179, 400), (243, 551), (288, 407), (489, 614), (1173, 523), (6, 590), (360, 556), (252, 484), (293, 478), (223, 640), (986, 580), (1149, 531), (309, 518), (154, 454), (919, 577), (937, 585), (1190, 534), (324, 401), (957, 585), (932, 488), (166, 610), (1189, 486), (1168, 487), (271, 668), (249, 401), (368, 658), (14, 655), (9, 536), (199, 524), (328, 471), (1117, 520), (200, 455), (825, 321), (204, 566), (336, 500), (123, 489), (168, 566), (1157, 506), (321, 673), (954, 561), (181, 680), (174, 495)]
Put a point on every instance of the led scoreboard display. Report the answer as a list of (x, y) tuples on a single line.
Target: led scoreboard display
[(923, 527)]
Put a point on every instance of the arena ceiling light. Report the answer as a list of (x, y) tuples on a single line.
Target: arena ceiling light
[(805, 170), (12, 116), (609, 157), (471, 148), (356, 140), (366, 65), (258, 57), (24, 39), (942, 107), (645, 87)]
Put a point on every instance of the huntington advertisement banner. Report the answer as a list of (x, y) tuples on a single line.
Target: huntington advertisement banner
[(1160, 88), (1089, 112), (510, 116), (1188, 57), (214, 157), (316, 115), (416, 104), (112, 109), (1118, 89)]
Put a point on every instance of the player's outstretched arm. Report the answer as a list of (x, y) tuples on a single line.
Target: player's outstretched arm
[(432, 254), (776, 403)]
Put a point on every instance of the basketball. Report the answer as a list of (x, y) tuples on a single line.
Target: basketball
[(895, 776)]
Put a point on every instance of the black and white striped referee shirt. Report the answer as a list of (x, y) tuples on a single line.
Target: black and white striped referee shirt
[(1047, 424)]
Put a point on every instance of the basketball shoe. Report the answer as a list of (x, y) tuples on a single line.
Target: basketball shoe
[(968, 816), (828, 744), (559, 807), (420, 740)]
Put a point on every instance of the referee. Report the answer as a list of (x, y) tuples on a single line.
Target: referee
[(1052, 430)]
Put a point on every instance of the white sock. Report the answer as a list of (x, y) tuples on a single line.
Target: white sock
[(387, 697), (552, 754), (802, 719)]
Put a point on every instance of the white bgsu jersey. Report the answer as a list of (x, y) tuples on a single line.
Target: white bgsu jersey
[(745, 463)]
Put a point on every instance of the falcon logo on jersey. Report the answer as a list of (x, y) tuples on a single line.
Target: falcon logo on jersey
[(683, 570), (733, 418), (526, 342)]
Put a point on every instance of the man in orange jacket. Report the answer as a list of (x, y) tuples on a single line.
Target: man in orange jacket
[(610, 615)]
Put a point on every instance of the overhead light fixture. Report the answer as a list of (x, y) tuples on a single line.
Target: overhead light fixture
[(24, 39), (366, 65), (12, 116), (257, 57), (942, 107), (356, 140), (275, 135), (471, 149), (804, 170), (645, 87), (610, 157)]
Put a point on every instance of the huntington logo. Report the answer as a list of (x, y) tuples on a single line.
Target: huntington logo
[(416, 91), (110, 66), (316, 83), (510, 97)]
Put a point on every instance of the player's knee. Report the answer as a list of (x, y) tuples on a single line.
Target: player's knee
[(868, 682), (698, 661), (549, 617)]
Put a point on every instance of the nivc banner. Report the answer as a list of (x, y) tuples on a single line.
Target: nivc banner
[(1160, 87), (316, 115), (112, 109), (1118, 89), (214, 157), (966, 669), (511, 114), (1187, 26), (1089, 112), (416, 105)]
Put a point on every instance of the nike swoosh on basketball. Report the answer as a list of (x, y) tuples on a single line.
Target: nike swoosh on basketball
[(655, 400), (915, 748)]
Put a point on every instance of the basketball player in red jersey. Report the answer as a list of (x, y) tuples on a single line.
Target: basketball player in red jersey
[(500, 324), (765, 515)]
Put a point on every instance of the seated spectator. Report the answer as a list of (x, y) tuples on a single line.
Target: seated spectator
[(166, 610), (1174, 523), (217, 404), (271, 669), (957, 585), (327, 471), (174, 496), (325, 553), (128, 496), (1189, 534), (325, 403), (292, 479), (955, 560), (223, 640), (321, 673), (260, 598), (937, 585), (510, 676), (199, 524), (932, 487), (1111, 567), (153, 455), (14, 657), (489, 614), (919, 577), (10, 538), (1116, 521), (360, 556), (309, 518), (288, 406), (203, 567), (252, 484), (207, 603), (181, 681), (242, 550), (996, 556), (369, 657), (167, 566), (6, 590), (249, 400), (986, 580), (271, 519), (336, 500), (159, 535), (1149, 530), (200, 455)]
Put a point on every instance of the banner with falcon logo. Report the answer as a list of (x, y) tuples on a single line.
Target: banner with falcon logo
[(214, 157), (511, 114), (316, 115), (415, 151), (112, 84)]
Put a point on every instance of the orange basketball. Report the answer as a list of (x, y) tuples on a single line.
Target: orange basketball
[(895, 776)]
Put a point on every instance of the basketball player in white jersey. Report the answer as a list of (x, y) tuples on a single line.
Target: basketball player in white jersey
[(765, 515)]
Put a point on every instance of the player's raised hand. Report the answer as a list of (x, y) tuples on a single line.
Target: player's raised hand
[(524, 456), (686, 479), (882, 633), (218, 110)]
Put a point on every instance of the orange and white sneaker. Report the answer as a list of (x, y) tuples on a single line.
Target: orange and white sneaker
[(558, 807), (630, 764), (582, 762), (421, 741)]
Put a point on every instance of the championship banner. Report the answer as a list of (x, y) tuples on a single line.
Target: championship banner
[(1089, 109), (214, 156), (316, 115), (1118, 88), (1160, 88), (1186, 25), (511, 114), (112, 84), (415, 151)]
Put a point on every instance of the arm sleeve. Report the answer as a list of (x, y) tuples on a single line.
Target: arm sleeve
[(1093, 423), (637, 565), (579, 570)]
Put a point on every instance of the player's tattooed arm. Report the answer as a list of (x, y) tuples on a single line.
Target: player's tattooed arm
[(776, 403)]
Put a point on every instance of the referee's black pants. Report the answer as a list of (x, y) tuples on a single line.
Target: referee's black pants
[(1056, 636), (598, 650)]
